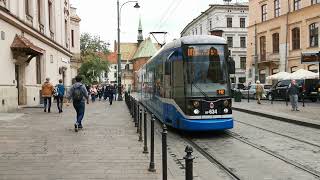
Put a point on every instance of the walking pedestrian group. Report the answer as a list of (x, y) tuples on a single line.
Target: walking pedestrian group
[(78, 94)]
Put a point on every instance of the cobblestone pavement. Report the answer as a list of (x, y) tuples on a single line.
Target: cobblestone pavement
[(309, 113), (36, 145)]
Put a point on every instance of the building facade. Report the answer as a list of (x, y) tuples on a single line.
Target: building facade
[(34, 45), (279, 31), (75, 42), (229, 21)]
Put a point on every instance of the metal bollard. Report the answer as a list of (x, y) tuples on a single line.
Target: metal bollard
[(140, 125), (164, 153), (151, 166), (145, 131), (189, 163), (271, 94), (248, 95), (137, 117), (303, 99)]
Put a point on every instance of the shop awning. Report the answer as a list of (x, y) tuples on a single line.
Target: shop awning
[(23, 45)]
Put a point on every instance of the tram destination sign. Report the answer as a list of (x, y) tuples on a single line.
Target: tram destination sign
[(310, 58)]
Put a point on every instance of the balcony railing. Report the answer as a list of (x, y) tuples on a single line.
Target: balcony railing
[(268, 57)]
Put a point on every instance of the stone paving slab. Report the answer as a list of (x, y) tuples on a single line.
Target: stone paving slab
[(308, 115), (37, 145)]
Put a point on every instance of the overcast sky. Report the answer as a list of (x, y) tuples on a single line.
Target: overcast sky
[(100, 17)]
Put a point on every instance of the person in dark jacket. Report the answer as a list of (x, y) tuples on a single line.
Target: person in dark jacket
[(60, 94), (111, 94), (78, 93), (293, 91)]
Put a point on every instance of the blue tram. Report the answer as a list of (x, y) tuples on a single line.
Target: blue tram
[(186, 84)]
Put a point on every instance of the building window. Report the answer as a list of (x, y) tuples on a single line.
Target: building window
[(243, 62), (72, 38), (243, 42), (263, 12), (50, 10), (314, 35), (275, 42), (115, 75), (315, 2), (294, 69), (210, 24), (38, 70), (28, 8), (242, 22), (66, 33), (201, 29), (230, 41), (296, 4), (276, 8), (262, 48), (229, 22), (295, 38), (39, 11), (313, 68), (242, 79), (196, 31)]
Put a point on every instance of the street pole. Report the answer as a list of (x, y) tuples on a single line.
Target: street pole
[(118, 46), (119, 55)]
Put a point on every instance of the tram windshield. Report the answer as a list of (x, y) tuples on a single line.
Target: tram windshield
[(207, 74)]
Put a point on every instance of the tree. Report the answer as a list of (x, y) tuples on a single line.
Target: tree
[(92, 68), (92, 44), (93, 53)]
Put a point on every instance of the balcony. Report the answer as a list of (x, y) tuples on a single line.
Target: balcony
[(268, 58)]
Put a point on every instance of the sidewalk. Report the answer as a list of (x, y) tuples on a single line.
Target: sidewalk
[(308, 115), (38, 146)]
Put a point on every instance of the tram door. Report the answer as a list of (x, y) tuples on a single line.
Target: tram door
[(178, 82)]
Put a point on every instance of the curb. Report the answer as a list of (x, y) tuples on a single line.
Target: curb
[(283, 119)]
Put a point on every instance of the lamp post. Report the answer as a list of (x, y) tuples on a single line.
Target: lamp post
[(118, 48)]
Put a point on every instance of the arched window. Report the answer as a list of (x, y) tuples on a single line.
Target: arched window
[(313, 68), (262, 48), (313, 35), (275, 42), (295, 38), (294, 69)]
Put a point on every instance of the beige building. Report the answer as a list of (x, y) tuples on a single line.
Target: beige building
[(75, 41), (34, 44), (279, 31)]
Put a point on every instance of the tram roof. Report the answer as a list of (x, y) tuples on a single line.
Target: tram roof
[(195, 39)]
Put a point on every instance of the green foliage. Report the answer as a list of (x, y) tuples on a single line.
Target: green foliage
[(92, 51), (92, 68), (92, 44)]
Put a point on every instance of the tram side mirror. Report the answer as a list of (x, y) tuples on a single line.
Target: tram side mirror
[(231, 66)]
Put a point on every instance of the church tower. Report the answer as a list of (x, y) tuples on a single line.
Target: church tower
[(140, 35)]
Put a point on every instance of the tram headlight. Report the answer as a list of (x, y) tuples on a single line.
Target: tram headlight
[(196, 111), (226, 110), (226, 103), (196, 104)]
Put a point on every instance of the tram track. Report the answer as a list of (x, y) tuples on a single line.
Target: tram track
[(270, 152), (280, 134), (211, 158)]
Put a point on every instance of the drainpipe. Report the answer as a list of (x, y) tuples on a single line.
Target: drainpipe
[(256, 74), (286, 55)]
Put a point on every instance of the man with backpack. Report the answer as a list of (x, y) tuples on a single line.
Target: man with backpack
[(78, 93)]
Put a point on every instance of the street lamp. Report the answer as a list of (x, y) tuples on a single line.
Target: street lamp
[(119, 54)]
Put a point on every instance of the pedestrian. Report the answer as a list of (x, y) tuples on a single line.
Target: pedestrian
[(111, 94), (115, 90), (93, 93), (47, 92), (293, 91), (78, 93), (60, 94), (259, 91), (100, 92)]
